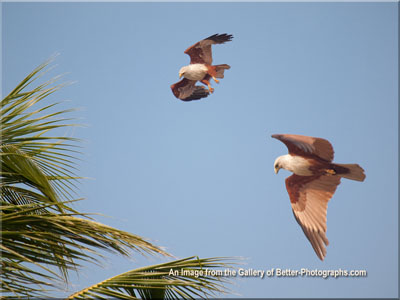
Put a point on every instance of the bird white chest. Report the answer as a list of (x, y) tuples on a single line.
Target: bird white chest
[(195, 71), (297, 164)]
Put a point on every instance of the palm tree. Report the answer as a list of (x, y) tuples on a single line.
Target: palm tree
[(44, 238)]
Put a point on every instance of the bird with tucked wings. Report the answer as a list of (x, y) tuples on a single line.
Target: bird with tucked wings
[(200, 69), (313, 183)]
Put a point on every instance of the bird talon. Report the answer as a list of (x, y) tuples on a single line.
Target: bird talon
[(331, 172), (215, 79)]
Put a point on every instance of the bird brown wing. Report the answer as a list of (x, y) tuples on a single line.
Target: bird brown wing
[(309, 196), (200, 53), (307, 146), (186, 90)]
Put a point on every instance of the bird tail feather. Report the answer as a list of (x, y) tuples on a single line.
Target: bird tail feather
[(219, 70), (355, 172)]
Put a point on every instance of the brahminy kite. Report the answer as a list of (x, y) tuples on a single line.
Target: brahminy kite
[(313, 183), (200, 69)]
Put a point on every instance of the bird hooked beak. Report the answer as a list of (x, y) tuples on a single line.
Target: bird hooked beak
[(276, 168), (180, 75)]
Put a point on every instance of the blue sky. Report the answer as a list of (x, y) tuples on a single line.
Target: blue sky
[(198, 177)]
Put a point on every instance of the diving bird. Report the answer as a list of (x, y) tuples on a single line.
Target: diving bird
[(200, 69), (313, 182)]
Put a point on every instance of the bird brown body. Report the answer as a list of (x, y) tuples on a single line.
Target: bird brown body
[(200, 69), (313, 183)]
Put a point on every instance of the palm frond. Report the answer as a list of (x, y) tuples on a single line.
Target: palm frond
[(187, 278), (36, 165), (33, 236), (43, 238)]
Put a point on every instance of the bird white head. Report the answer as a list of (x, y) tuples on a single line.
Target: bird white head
[(283, 162), (278, 164), (182, 71)]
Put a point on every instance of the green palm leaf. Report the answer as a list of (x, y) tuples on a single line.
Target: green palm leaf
[(33, 236), (187, 278), (43, 238), (36, 167)]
